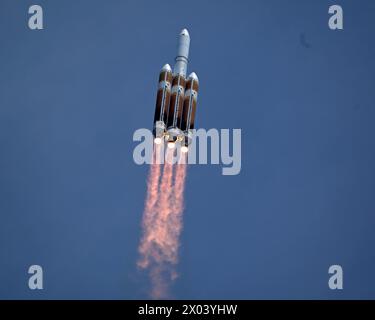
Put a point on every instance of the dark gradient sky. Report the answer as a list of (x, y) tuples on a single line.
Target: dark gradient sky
[(71, 197)]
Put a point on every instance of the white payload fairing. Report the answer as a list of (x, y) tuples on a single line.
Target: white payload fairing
[(176, 100)]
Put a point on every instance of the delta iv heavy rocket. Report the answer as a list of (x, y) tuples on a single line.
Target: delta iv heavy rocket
[(176, 100)]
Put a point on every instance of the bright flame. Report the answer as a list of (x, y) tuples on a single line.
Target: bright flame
[(184, 149), (157, 140), (170, 145)]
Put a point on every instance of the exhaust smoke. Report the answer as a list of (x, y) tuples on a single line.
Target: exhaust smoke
[(162, 223)]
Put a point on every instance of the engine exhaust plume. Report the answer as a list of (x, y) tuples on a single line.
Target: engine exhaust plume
[(162, 225), (150, 213)]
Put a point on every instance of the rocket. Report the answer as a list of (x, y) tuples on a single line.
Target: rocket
[(176, 100)]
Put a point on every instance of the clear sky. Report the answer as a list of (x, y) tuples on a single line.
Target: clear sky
[(71, 197)]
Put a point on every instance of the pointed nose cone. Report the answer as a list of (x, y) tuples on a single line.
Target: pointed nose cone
[(184, 32), (167, 68), (193, 76)]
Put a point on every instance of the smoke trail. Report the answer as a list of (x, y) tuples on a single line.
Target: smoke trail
[(177, 203), (179, 188), (150, 213), (162, 226), (163, 254)]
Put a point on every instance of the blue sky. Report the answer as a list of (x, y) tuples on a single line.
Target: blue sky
[(71, 197)]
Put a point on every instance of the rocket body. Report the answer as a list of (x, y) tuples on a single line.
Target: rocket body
[(182, 57), (176, 99), (162, 101), (189, 108)]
